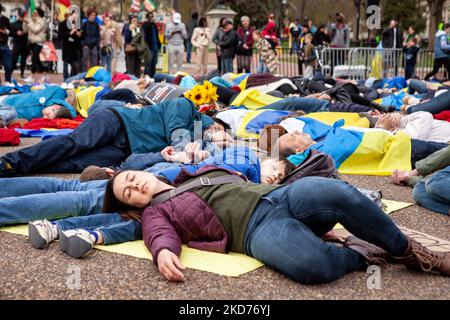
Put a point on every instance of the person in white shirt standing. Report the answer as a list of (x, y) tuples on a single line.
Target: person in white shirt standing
[(200, 40), (176, 34)]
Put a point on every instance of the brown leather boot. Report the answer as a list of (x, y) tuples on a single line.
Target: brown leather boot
[(373, 254), (419, 257)]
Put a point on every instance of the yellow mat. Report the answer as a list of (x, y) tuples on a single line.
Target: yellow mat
[(232, 264), (391, 206)]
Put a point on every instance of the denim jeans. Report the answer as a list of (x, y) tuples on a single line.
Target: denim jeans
[(433, 192), (7, 113), (262, 68), (286, 227), (161, 77), (188, 51), (89, 58), (307, 105), (227, 65), (34, 198), (106, 61), (435, 105), (418, 86), (6, 61), (421, 149), (28, 199), (100, 140), (112, 226)]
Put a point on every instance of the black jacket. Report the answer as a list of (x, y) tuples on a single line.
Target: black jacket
[(71, 44), (91, 35), (4, 24), (18, 41), (320, 38), (388, 38), (149, 29), (229, 44)]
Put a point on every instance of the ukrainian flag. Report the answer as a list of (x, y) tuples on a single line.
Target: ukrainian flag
[(255, 120), (366, 153), (98, 74)]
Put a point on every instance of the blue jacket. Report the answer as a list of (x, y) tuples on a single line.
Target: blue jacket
[(30, 105), (241, 159), (441, 45), (152, 128)]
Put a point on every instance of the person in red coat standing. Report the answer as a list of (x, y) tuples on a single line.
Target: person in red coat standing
[(270, 31)]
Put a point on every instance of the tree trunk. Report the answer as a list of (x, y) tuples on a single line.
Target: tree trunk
[(436, 8), (301, 11), (204, 6)]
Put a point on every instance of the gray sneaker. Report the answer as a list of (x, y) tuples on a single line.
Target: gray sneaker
[(41, 233), (76, 243)]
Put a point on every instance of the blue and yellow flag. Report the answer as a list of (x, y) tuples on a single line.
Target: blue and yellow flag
[(366, 153)]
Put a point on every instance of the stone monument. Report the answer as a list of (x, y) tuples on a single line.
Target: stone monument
[(214, 16)]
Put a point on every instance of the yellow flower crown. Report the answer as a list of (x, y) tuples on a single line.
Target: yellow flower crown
[(202, 94)]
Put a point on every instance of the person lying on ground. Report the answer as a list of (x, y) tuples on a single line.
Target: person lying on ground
[(50, 103), (419, 125), (111, 134), (34, 199), (440, 102), (235, 217), (287, 143), (431, 181), (344, 93)]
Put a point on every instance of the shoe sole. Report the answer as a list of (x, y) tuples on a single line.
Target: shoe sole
[(74, 246), (36, 240), (63, 242)]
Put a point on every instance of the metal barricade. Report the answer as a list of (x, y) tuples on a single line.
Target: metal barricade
[(353, 63), (288, 59)]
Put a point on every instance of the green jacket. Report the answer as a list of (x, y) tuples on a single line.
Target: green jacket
[(434, 162), (142, 48)]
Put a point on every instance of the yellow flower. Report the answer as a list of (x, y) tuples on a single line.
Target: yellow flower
[(197, 96)]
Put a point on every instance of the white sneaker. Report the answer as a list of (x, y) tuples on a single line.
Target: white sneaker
[(8, 84), (28, 79), (76, 243), (41, 233), (43, 80)]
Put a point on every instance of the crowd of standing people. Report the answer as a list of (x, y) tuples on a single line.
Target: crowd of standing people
[(92, 40)]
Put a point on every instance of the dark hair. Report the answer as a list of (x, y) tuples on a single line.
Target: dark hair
[(194, 15), (222, 21), (40, 12), (223, 123), (90, 11), (446, 26), (93, 173), (112, 204), (63, 113), (413, 39), (203, 23)]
